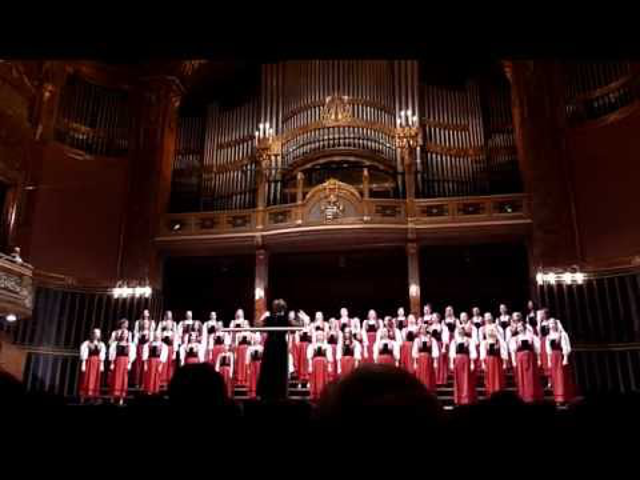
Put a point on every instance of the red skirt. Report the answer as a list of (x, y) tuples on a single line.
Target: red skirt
[(120, 380), (544, 360), (347, 364), (333, 374), (191, 360), (319, 377), (228, 381), (240, 370), (137, 369), (371, 337), (406, 357), (90, 378), (527, 377), (301, 362), (464, 388), (169, 368), (561, 378), (442, 370), (425, 371), (152, 376), (386, 359), (214, 353), (494, 379), (254, 374)]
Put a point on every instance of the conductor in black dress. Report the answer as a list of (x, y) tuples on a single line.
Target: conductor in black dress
[(274, 371)]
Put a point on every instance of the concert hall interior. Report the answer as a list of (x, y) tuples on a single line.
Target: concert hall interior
[(187, 195)]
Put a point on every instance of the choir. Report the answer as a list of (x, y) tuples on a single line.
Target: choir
[(469, 350)]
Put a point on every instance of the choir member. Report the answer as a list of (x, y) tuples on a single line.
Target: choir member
[(254, 360), (302, 340), (188, 326), (370, 330), (216, 339), (92, 357), (469, 329), (462, 355), (243, 341), (441, 335), (408, 335), (345, 321), (476, 318), (558, 348), (320, 360), (426, 353), (169, 335), (544, 323), (210, 327), (239, 321), (154, 357), (122, 331), (349, 353), (144, 323), (450, 320), (191, 351), (427, 315), (318, 324), (532, 316), (143, 333), (490, 323), (122, 353), (504, 319), (385, 350), (493, 356), (224, 365), (334, 337), (392, 331), (525, 349), (400, 320)]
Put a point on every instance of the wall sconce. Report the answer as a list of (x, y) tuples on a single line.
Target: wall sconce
[(259, 293), (414, 290), (123, 291), (568, 278)]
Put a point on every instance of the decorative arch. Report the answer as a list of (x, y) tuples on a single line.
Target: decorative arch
[(332, 202)]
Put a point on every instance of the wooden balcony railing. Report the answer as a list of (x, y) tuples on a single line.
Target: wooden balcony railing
[(16, 287)]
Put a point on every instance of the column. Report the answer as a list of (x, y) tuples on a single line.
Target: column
[(538, 120), (414, 277), (155, 104), (261, 283)]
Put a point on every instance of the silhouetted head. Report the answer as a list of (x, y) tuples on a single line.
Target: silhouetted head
[(197, 385), (12, 391), (378, 386), (279, 306)]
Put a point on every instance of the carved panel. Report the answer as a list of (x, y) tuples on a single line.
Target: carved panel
[(239, 221), (471, 208), (439, 210), (507, 207), (208, 223), (389, 211), (282, 216)]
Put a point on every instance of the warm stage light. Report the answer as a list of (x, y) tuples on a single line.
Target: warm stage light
[(11, 318)]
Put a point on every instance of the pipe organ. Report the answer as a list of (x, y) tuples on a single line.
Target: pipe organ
[(595, 89), (339, 119), (93, 118), (187, 163)]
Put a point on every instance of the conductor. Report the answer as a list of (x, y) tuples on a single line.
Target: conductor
[(274, 372)]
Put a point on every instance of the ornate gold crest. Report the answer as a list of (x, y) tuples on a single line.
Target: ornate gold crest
[(332, 207), (336, 110)]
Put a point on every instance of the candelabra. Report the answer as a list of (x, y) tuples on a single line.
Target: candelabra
[(407, 130)]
